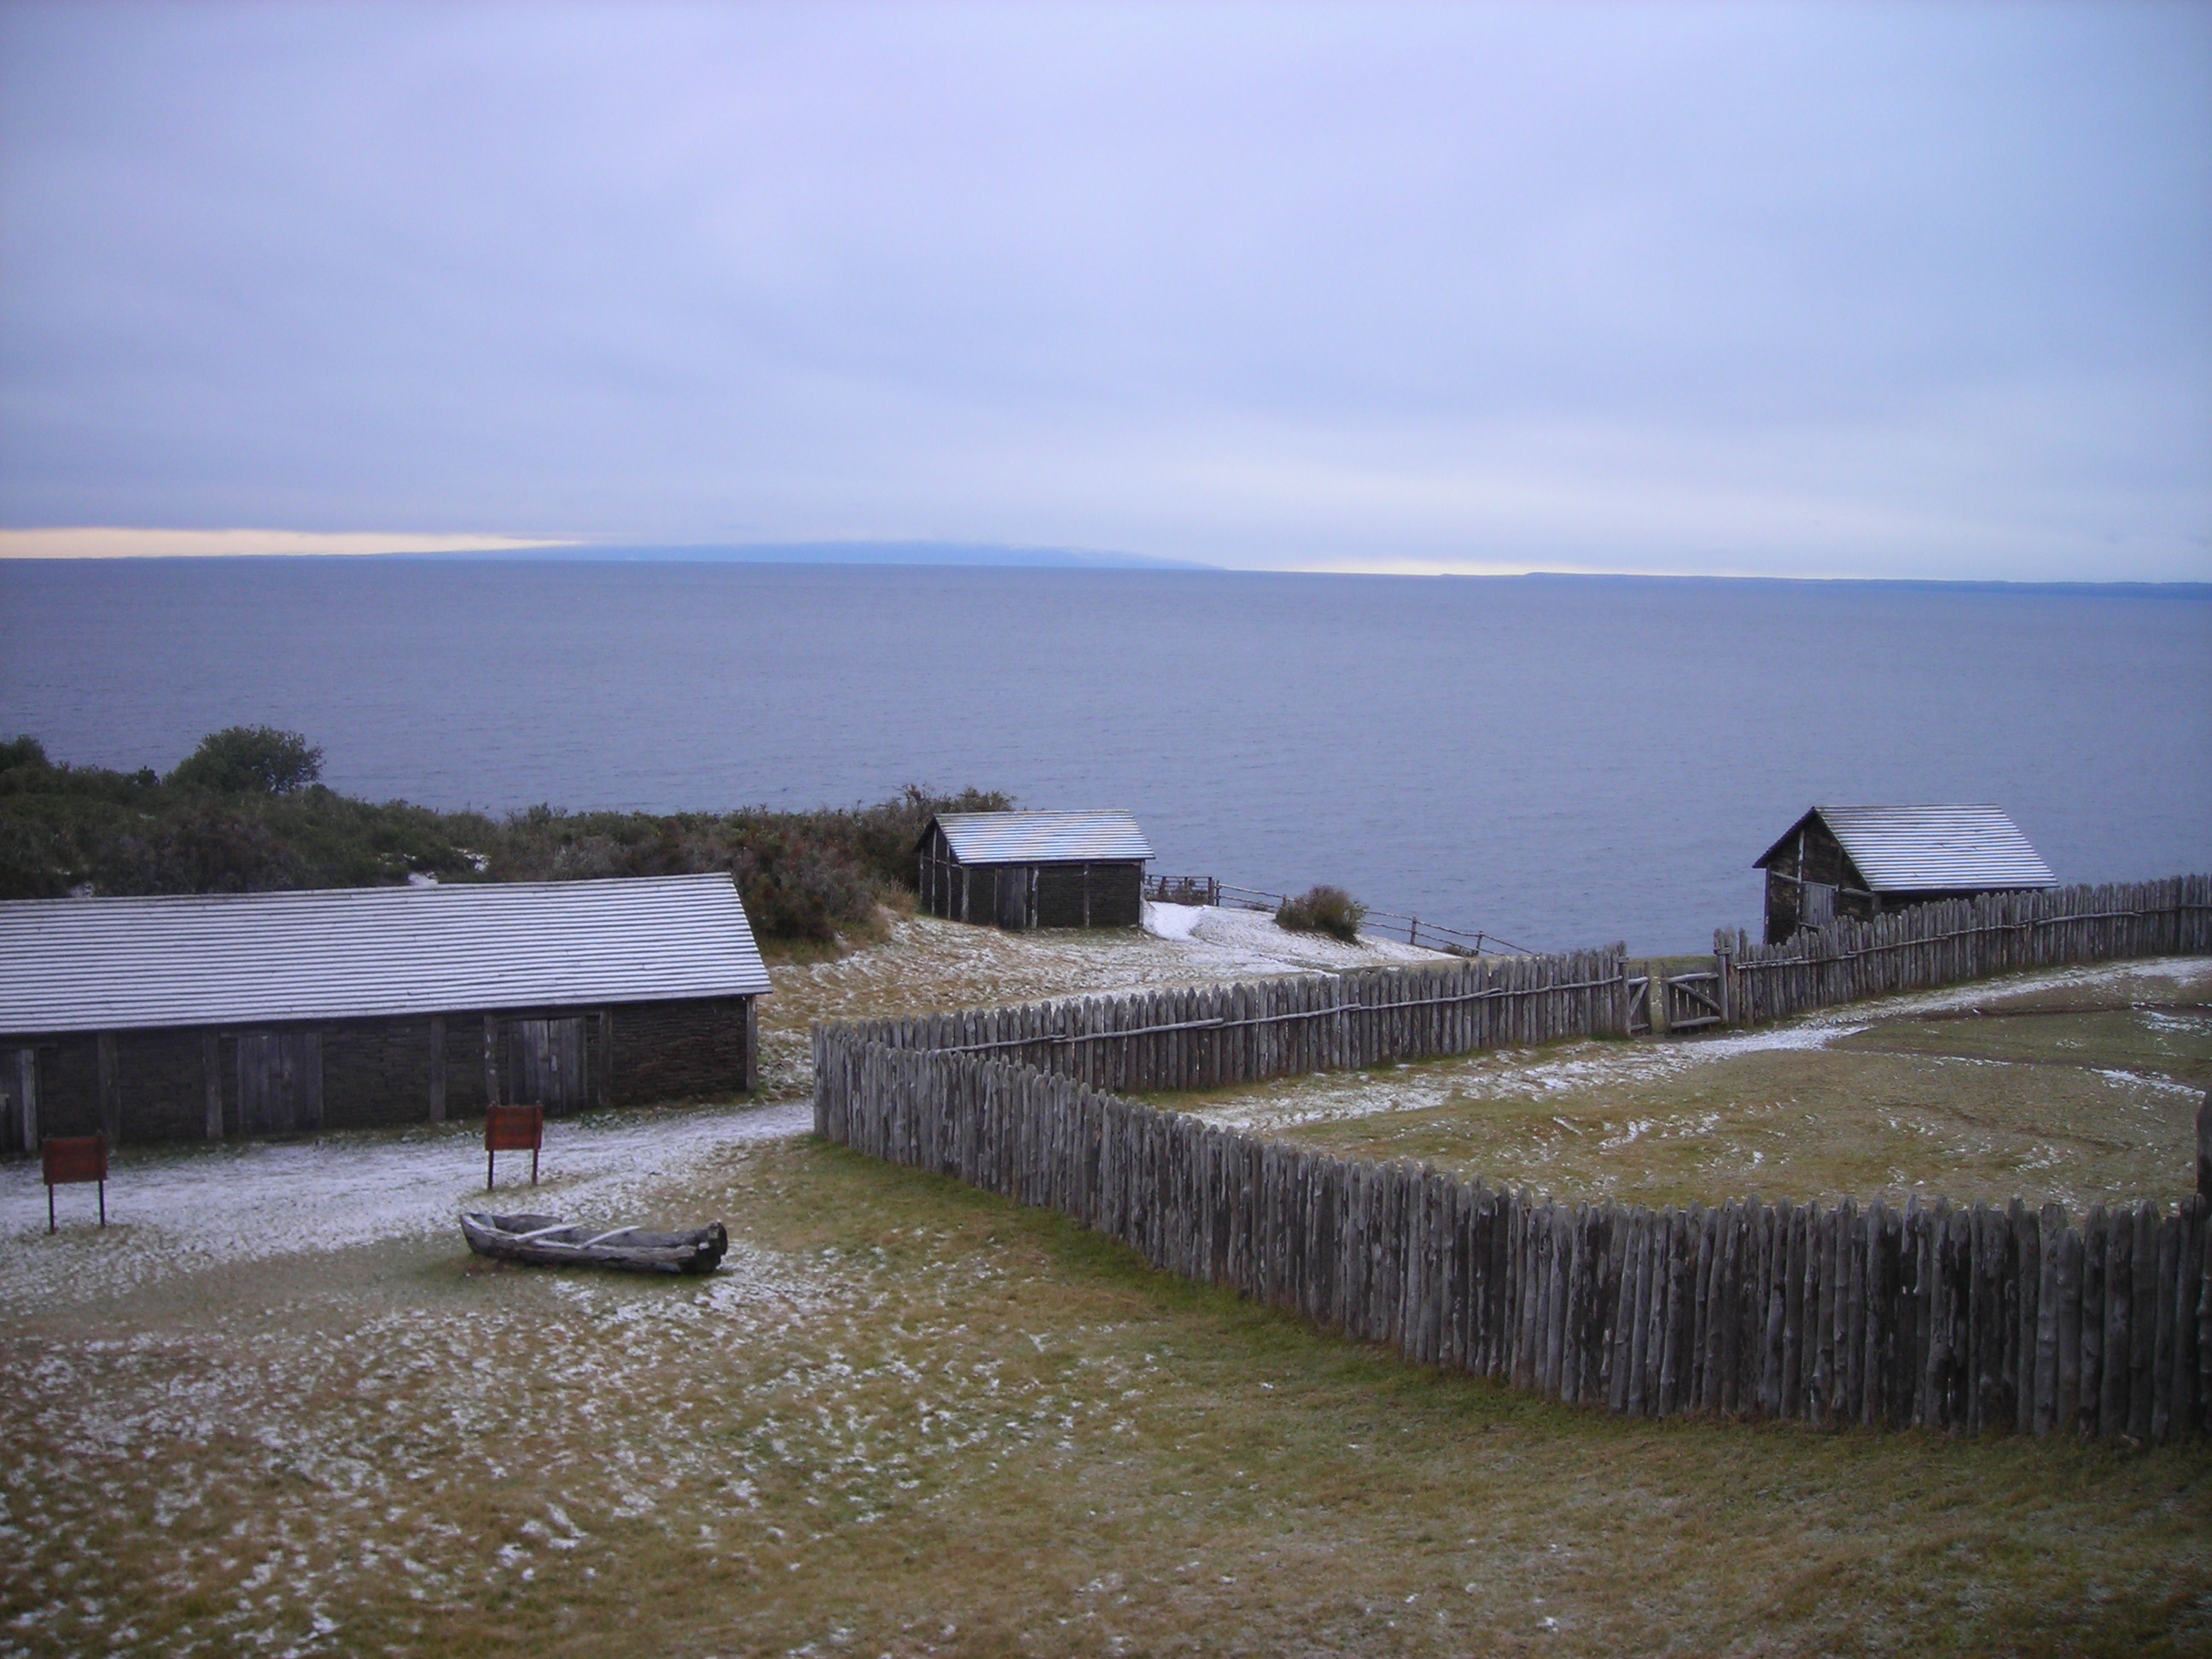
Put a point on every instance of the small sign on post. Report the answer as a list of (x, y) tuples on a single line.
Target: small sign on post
[(70, 1158), (513, 1129)]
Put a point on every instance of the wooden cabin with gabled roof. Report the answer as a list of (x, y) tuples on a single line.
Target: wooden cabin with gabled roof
[(1863, 861), (217, 1014), (1026, 870)]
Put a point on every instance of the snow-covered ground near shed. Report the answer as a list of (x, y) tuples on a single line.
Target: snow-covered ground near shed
[(1232, 941), (927, 965), (184, 1210)]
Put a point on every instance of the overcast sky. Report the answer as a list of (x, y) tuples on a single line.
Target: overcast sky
[(1909, 291)]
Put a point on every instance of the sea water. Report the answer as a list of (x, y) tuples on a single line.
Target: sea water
[(1559, 761)]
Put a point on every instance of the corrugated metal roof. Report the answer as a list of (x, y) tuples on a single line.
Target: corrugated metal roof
[(1907, 849), (338, 953), (1042, 837)]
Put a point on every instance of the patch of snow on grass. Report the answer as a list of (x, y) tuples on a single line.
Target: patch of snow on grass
[(183, 1210)]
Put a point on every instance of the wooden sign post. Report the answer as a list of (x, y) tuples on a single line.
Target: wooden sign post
[(513, 1129), (71, 1159)]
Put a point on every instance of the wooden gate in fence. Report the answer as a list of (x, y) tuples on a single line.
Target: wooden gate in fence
[(1694, 1001)]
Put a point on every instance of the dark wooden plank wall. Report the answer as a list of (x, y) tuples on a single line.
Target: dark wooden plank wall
[(1972, 1320), (190, 1083), (1101, 894)]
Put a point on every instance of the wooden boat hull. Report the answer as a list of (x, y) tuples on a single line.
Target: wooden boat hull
[(547, 1240)]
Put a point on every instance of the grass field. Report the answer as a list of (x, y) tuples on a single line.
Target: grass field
[(2081, 1088), (909, 1418)]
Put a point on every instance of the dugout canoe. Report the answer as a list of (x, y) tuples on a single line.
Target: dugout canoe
[(547, 1240)]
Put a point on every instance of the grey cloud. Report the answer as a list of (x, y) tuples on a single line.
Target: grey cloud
[(1875, 290)]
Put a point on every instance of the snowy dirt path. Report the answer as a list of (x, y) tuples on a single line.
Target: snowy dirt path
[(178, 1210)]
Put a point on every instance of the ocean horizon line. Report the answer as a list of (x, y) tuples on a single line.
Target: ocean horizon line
[(1051, 560)]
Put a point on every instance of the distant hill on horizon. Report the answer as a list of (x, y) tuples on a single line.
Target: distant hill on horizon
[(911, 553)]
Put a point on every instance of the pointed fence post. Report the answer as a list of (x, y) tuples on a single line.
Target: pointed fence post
[(2204, 1148)]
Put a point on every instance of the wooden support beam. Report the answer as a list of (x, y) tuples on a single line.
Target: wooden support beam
[(437, 1068), (27, 1097), (111, 1088), (212, 1081)]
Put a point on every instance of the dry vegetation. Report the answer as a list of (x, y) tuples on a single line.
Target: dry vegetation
[(909, 1418)]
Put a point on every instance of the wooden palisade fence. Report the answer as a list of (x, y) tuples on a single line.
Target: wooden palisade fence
[(1959, 939), (1969, 1319), (1209, 1035)]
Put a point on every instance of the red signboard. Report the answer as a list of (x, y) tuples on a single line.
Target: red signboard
[(70, 1158), (513, 1129)]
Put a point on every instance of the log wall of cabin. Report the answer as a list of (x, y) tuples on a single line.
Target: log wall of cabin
[(1097, 895), (1825, 864), (383, 1073)]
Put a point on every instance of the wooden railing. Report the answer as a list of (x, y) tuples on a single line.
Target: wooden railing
[(1389, 924)]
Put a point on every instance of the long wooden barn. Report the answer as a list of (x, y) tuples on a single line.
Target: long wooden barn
[(1025, 870), (270, 1013), (1862, 862)]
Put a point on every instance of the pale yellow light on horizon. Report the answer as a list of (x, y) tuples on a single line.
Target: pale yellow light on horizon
[(91, 542)]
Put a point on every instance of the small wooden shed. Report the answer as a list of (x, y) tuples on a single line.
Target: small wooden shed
[(1862, 862), (166, 1019), (1025, 870)]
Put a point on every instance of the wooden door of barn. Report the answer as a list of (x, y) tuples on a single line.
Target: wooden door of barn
[(1017, 888), (549, 1063), (279, 1082)]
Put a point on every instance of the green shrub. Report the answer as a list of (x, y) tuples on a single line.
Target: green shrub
[(1329, 910), (243, 814), (250, 760)]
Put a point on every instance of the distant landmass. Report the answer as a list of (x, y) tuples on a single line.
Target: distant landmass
[(974, 553)]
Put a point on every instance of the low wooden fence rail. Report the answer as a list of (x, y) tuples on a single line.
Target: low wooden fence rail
[(1389, 924), (1967, 1319)]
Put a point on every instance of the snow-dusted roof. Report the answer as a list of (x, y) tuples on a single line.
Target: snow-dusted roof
[(1907, 849), (1042, 837), (336, 953)]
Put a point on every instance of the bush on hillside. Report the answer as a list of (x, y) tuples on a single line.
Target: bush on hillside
[(250, 760), (1329, 910)]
